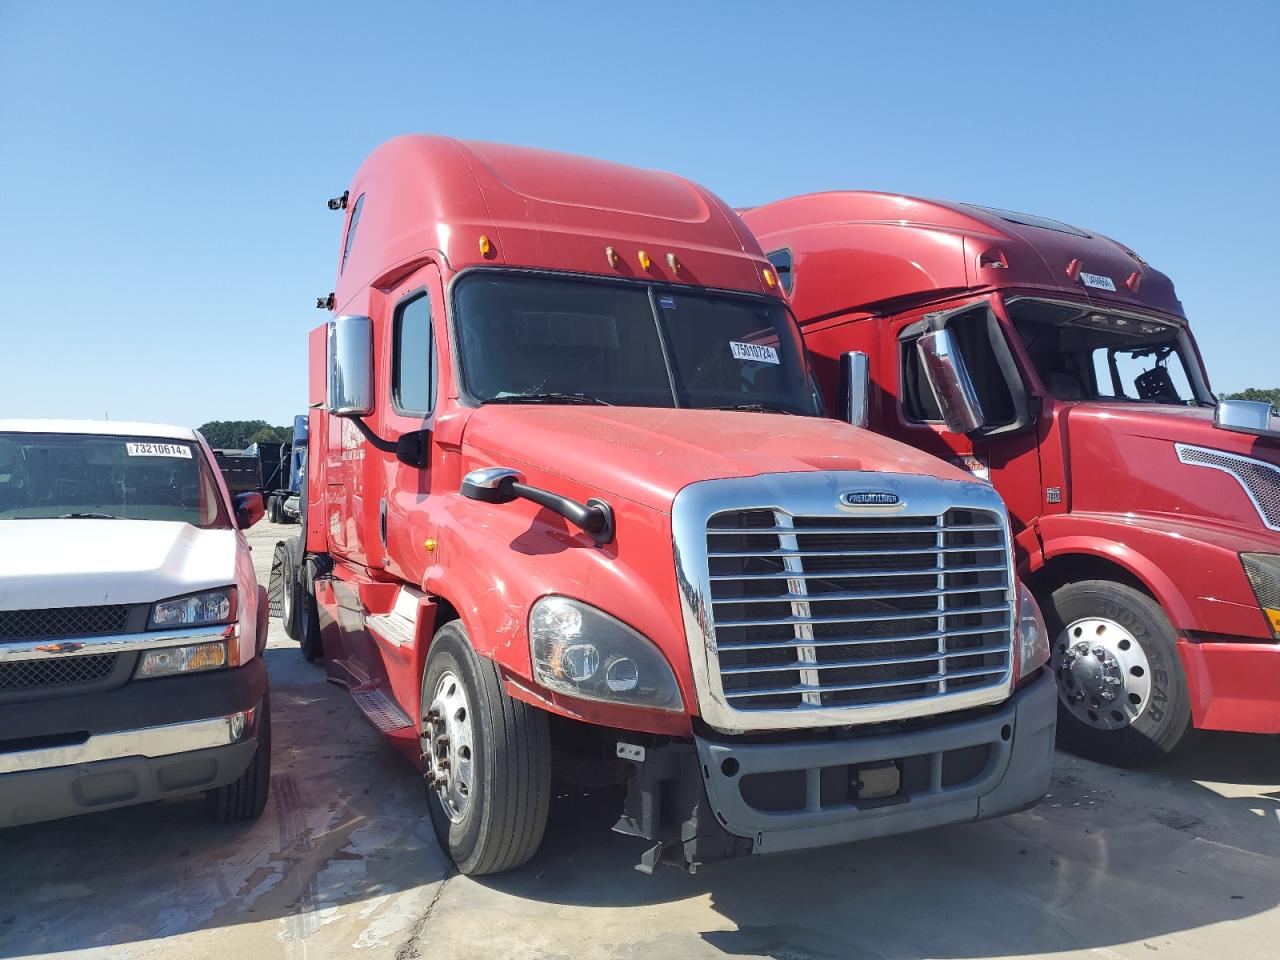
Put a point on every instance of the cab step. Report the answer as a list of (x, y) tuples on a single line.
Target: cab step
[(392, 627), (383, 712)]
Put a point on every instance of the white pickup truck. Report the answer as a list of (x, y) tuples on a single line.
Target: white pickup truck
[(131, 624)]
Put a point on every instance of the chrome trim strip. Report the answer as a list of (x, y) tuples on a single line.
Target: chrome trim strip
[(816, 494), (1185, 448), (50, 647), (148, 742)]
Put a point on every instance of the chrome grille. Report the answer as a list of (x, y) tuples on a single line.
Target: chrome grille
[(59, 672), (58, 622), (1260, 480), (846, 611)]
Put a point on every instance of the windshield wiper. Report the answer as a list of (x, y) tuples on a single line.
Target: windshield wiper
[(549, 398), (753, 408), (87, 516)]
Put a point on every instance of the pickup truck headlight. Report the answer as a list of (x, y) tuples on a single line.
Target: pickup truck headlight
[(211, 606), (582, 651), (1033, 635), (168, 661), (1263, 571)]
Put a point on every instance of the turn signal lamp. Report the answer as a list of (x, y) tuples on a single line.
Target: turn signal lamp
[(486, 246), (644, 260), (1073, 269), (770, 280), (673, 262), (1263, 571)]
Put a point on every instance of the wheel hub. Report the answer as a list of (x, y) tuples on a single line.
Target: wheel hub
[(447, 746), (1103, 674)]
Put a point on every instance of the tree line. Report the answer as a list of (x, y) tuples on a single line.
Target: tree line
[(238, 434)]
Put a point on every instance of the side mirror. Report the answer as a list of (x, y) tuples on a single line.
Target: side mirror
[(350, 367), (249, 509), (1245, 416), (949, 379), (502, 485), (855, 375)]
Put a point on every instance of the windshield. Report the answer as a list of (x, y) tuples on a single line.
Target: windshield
[(82, 476), (1083, 354), (531, 338)]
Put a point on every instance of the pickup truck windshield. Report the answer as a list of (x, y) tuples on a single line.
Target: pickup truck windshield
[(1087, 355), (83, 476), (526, 338)]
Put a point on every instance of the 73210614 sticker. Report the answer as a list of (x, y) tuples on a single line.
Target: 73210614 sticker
[(158, 450)]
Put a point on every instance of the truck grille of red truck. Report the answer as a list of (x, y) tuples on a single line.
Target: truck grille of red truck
[(852, 616)]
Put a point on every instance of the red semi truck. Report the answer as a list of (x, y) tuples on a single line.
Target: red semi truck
[(1060, 365), (572, 507)]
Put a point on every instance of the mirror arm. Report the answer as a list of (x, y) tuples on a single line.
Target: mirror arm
[(595, 517), (410, 448), (386, 446)]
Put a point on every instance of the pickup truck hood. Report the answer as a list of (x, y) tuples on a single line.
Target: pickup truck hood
[(648, 455), (73, 563)]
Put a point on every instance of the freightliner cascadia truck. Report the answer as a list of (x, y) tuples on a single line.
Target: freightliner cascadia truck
[(572, 508), (1059, 365)]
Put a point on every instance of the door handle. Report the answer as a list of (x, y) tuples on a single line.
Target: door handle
[(382, 521)]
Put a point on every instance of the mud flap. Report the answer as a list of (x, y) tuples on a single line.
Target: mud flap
[(275, 584)]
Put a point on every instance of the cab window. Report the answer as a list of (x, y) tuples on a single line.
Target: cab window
[(413, 364), (782, 263), (972, 332), (351, 231)]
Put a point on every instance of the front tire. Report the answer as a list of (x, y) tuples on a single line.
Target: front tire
[(244, 800), (1122, 696), (487, 759)]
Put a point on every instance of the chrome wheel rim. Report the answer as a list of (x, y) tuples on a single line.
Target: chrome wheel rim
[(447, 755), (1104, 678)]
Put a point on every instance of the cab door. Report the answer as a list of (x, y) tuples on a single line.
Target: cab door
[(1004, 449)]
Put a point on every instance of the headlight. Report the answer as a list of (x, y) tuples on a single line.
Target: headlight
[(1033, 636), (1263, 571), (171, 660), (586, 653), (211, 606)]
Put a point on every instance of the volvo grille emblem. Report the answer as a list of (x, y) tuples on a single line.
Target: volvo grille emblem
[(864, 499)]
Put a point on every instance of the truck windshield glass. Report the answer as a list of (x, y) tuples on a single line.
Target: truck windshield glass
[(84, 476), (528, 338), (1086, 355)]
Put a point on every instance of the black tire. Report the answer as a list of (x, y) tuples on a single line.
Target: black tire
[(506, 814), (244, 800), (273, 510), (307, 612), (1164, 725), (290, 603)]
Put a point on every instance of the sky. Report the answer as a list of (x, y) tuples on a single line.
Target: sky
[(165, 166)]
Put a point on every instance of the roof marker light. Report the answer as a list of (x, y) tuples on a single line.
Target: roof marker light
[(673, 262), (1073, 269), (770, 280), (1133, 281), (644, 260), (486, 246), (611, 255)]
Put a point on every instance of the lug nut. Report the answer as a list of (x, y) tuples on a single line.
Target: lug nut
[(1099, 652)]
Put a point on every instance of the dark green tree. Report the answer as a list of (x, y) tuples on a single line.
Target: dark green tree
[(238, 434)]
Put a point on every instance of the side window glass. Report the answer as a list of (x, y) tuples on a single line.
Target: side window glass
[(781, 260), (972, 335), (413, 358), (918, 402), (351, 231)]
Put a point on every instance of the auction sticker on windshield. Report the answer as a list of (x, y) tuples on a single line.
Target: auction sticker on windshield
[(754, 351), (157, 450), (1098, 281)]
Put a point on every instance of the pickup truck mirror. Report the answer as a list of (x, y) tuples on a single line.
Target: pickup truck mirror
[(249, 509), (949, 379), (350, 360), (1246, 416), (855, 375)]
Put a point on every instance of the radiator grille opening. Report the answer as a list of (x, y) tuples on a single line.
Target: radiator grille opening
[(55, 622), (58, 672)]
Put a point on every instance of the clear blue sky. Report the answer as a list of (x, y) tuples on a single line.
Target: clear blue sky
[(164, 166)]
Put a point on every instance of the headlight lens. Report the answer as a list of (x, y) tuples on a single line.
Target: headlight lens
[(586, 653), (1033, 635), (1263, 571), (211, 606), (171, 660)]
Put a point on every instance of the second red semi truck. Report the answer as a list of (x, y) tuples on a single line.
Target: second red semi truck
[(1059, 365), (572, 508)]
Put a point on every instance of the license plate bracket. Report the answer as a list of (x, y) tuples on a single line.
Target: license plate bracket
[(875, 784)]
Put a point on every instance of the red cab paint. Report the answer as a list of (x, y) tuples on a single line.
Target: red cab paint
[(1099, 433), (571, 500)]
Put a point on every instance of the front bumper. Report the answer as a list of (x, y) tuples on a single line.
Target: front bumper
[(1233, 686), (143, 741), (773, 797)]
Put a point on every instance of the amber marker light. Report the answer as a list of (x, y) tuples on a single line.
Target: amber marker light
[(429, 543), (770, 280), (673, 262), (644, 260), (486, 246)]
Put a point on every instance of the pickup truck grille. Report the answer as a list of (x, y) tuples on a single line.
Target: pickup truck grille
[(58, 622), (59, 672), (814, 612)]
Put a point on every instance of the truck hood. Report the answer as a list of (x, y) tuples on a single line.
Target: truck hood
[(1161, 421), (71, 563), (648, 455)]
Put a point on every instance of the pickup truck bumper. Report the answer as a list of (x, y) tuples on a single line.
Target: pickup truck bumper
[(1233, 686), (146, 740), (766, 797)]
